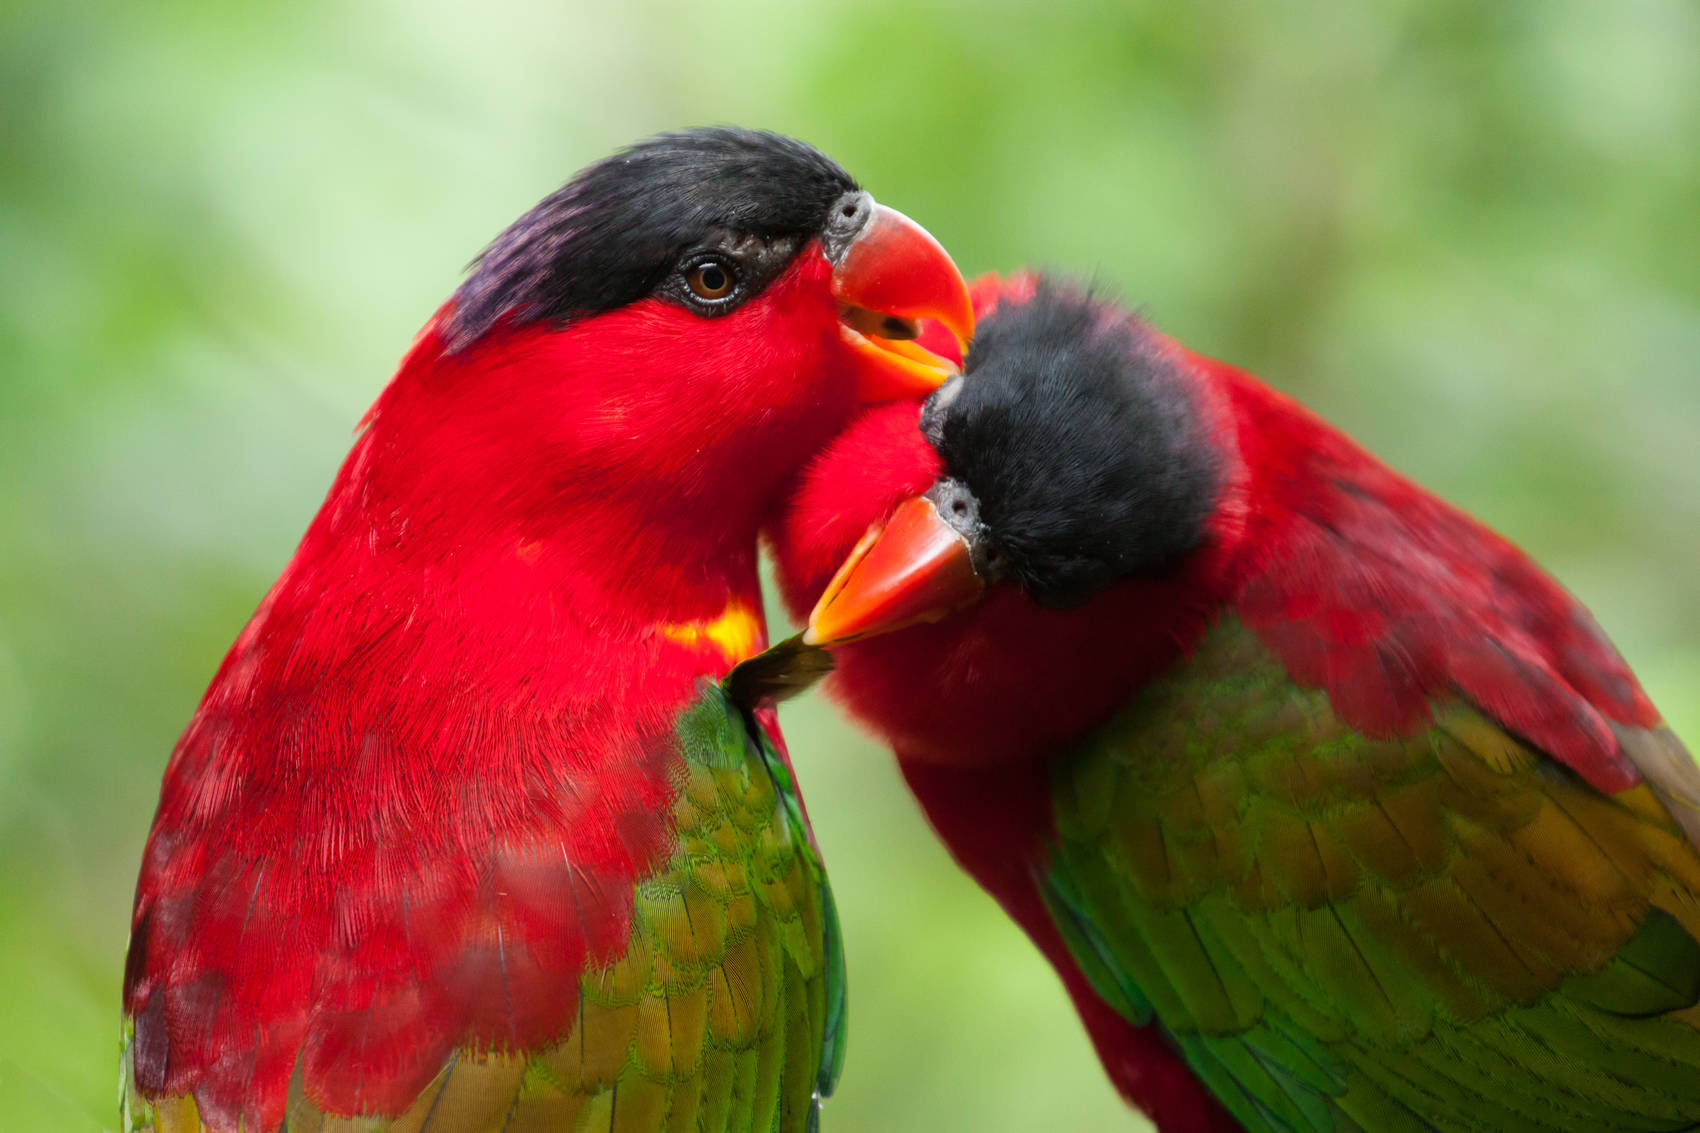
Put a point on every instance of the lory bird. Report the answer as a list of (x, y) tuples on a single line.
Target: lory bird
[(1331, 809), (465, 835)]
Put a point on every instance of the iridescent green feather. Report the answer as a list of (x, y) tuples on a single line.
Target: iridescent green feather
[(724, 1014), (1445, 932)]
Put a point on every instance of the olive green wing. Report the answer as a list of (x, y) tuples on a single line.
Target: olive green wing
[(723, 1013), (1448, 931)]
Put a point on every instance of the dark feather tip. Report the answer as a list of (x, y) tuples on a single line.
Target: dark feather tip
[(783, 671)]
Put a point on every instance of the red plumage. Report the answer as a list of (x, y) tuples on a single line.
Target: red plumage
[(414, 800), (1361, 582)]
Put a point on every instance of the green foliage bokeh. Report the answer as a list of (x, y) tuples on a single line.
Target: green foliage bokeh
[(1466, 232)]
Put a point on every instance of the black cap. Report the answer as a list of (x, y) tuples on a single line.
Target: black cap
[(1073, 448), (614, 232)]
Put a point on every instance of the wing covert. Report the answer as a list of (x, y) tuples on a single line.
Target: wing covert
[(557, 995), (1343, 931)]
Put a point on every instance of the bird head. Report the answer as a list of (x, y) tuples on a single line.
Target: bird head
[(682, 322)]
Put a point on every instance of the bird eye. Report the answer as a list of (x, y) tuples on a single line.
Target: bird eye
[(710, 279)]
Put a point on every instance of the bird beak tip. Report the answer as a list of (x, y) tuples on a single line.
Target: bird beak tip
[(915, 568)]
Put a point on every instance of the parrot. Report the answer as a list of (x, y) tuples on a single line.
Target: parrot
[(467, 833), (1332, 811)]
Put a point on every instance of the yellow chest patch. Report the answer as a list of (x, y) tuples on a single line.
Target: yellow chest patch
[(736, 632)]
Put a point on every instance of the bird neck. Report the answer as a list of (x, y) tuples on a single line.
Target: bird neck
[(602, 599), (603, 569), (476, 485)]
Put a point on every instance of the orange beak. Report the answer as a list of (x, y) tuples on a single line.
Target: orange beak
[(917, 568), (889, 278)]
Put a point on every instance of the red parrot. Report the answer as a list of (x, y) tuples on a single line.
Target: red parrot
[(464, 835), (1332, 810)]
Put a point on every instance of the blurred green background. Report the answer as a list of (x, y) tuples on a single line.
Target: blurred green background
[(1469, 233)]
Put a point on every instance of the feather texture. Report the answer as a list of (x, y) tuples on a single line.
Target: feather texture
[(1348, 819), (435, 817), (710, 1012), (1443, 930)]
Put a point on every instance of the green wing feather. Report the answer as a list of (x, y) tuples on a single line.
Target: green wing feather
[(1441, 932), (725, 1013)]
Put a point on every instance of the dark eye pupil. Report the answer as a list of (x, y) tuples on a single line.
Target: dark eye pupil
[(710, 280)]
